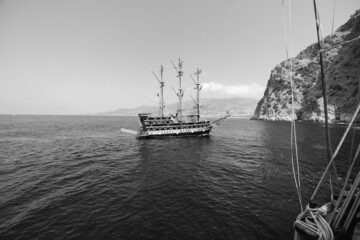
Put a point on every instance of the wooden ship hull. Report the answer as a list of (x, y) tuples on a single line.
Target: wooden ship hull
[(157, 127)]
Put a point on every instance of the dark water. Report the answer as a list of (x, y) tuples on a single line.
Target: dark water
[(79, 177)]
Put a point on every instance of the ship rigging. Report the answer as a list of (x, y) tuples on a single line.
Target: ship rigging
[(180, 124)]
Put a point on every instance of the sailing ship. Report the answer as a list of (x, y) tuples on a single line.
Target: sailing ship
[(178, 125), (339, 217)]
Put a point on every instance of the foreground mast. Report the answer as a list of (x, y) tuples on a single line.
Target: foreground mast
[(323, 84), (337, 219)]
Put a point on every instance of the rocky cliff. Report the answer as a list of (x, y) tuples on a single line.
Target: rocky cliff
[(342, 73)]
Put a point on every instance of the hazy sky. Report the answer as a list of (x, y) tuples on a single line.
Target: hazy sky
[(86, 56)]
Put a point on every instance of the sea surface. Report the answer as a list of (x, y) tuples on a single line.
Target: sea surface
[(79, 177)]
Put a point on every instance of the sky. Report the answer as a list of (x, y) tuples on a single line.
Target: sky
[(90, 56)]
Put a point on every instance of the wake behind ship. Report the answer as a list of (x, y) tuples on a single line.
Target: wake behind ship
[(178, 125)]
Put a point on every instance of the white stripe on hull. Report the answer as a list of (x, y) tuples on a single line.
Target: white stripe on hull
[(175, 132)]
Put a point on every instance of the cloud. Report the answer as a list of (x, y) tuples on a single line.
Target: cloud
[(242, 90)]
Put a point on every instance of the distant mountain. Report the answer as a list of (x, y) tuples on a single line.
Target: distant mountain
[(210, 107), (342, 72)]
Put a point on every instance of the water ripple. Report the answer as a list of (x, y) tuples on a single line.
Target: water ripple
[(79, 177)]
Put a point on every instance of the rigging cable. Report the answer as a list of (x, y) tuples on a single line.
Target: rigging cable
[(333, 19), (336, 152), (354, 130), (335, 216), (333, 220), (294, 163)]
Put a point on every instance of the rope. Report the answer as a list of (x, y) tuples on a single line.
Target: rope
[(333, 19), (347, 202), (312, 224), (342, 193), (292, 110), (352, 212), (285, 32), (353, 135), (325, 231), (294, 163)]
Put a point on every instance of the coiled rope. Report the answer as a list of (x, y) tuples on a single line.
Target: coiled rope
[(311, 223)]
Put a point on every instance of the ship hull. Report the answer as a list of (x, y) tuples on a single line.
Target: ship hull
[(178, 133), (160, 127)]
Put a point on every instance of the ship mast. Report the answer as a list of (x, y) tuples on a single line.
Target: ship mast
[(198, 88), (323, 83), (180, 92), (161, 97)]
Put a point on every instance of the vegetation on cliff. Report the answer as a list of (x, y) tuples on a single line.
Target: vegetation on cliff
[(342, 73)]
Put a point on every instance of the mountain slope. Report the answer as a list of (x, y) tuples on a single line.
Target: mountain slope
[(211, 107), (342, 73)]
